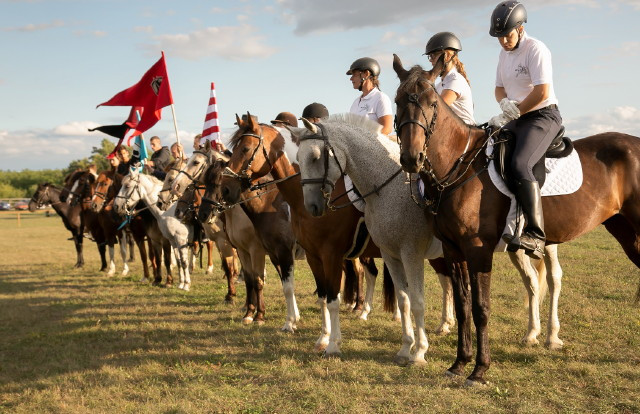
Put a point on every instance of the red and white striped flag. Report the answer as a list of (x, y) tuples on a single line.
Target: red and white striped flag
[(211, 130)]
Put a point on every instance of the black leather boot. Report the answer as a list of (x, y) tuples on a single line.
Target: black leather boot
[(533, 237)]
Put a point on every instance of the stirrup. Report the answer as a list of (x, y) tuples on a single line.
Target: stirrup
[(535, 252)]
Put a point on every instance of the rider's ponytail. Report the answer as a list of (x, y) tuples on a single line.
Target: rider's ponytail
[(460, 67)]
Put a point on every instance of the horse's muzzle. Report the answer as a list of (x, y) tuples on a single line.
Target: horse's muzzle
[(411, 164)]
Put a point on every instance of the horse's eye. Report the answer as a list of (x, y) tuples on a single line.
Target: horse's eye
[(245, 149)]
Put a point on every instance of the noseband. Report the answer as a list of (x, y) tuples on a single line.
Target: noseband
[(414, 98), (128, 196)]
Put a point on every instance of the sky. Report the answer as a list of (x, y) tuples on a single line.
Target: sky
[(61, 58)]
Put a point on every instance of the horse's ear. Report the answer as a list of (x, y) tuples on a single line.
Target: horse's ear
[(311, 127), (252, 125), (437, 68), (400, 70), (239, 121), (207, 145)]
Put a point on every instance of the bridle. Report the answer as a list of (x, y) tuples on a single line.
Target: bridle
[(42, 196), (193, 178), (127, 197), (414, 98), (244, 176), (327, 152)]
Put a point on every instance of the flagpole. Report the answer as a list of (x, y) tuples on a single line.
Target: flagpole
[(175, 123)]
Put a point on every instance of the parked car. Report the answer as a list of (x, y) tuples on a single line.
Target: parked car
[(21, 205), (5, 206)]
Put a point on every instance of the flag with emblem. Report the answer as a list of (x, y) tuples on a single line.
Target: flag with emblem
[(152, 92)]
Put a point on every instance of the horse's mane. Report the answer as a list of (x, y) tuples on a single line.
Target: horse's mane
[(356, 121), (237, 136)]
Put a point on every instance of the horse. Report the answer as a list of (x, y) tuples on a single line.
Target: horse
[(187, 209), (353, 145), (469, 212), (141, 187), (47, 193), (260, 149), (268, 215)]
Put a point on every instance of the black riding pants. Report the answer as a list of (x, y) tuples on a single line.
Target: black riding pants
[(534, 132)]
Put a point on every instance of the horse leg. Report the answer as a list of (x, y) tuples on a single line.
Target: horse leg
[(169, 260), (317, 269), (123, 242), (370, 275), (77, 240), (209, 257), (447, 319), (462, 303), (283, 261), (130, 245), (143, 258), (403, 357), (554, 280), (185, 276), (102, 249), (413, 265), (626, 231), (529, 276), (480, 278), (249, 275), (112, 262), (258, 264)]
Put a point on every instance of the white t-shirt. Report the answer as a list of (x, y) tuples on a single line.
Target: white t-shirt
[(521, 69), (463, 105), (373, 106)]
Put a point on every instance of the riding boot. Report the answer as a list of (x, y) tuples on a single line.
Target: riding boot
[(533, 236)]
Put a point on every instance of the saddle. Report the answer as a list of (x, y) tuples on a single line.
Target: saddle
[(503, 146)]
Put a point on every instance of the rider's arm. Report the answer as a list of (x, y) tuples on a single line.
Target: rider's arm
[(387, 124), (500, 93), (535, 97), (449, 96)]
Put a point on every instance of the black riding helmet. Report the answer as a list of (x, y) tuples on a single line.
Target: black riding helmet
[(507, 16), (315, 110), (441, 41), (365, 63)]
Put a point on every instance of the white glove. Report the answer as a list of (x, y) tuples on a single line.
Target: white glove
[(509, 109), (499, 121)]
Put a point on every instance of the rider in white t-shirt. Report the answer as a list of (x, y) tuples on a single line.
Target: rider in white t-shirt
[(524, 89), (372, 103), (453, 86)]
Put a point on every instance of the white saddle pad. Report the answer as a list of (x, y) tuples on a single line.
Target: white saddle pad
[(353, 196)]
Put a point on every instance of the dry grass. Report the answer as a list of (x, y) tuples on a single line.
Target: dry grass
[(75, 341)]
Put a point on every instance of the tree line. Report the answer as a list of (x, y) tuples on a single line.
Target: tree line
[(22, 184)]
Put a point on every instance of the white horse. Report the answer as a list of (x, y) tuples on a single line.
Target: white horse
[(355, 146), (136, 187)]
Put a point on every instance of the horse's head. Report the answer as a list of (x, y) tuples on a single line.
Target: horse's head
[(255, 150), (166, 197), (103, 190), (131, 192), (321, 165), (187, 173), (417, 110), (212, 180), (41, 197)]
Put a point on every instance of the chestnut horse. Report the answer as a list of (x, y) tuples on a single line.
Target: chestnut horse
[(260, 149), (469, 212)]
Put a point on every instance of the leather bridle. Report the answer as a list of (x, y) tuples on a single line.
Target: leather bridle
[(243, 176)]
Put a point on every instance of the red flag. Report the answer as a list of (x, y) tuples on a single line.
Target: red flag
[(152, 92)]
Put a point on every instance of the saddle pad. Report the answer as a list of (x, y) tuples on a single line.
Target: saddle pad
[(564, 175), (361, 239), (352, 194)]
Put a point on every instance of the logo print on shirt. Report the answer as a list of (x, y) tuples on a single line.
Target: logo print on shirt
[(521, 70), (365, 107)]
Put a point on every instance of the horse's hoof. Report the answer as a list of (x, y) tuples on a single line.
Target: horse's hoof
[(529, 342), (364, 316), (451, 374), (470, 383), (259, 322), (228, 300), (166, 285), (320, 346), (401, 361), (332, 355), (186, 287), (555, 346), (417, 362), (288, 328), (247, 321), (443, 330)]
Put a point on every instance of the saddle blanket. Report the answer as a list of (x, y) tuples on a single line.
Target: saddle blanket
[(564, 176)]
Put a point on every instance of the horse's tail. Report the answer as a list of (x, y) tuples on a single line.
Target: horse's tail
[(350, 282), (388, 290)]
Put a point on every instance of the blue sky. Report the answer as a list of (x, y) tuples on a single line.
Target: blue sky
[(60, 58)]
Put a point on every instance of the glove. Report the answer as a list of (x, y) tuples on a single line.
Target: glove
[(509, 109), (499, 121)]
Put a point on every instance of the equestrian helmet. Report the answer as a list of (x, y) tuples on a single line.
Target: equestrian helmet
[(441, 41), (315, 110), (285, 118), (507, 16), (365, 63)]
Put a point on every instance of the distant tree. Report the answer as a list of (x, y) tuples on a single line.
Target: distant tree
[(99, 157)]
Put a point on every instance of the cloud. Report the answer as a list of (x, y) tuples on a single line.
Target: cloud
[(238, 43), (143, 29), (624, 119), (35, 27)]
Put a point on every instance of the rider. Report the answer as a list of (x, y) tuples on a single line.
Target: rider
[(372, 103), (315, 112), (524, 89), (284, 119), (454, 85), (160, 158)]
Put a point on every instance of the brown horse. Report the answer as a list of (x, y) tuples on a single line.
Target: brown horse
[(260, 149), (187, 210), (469, 212)]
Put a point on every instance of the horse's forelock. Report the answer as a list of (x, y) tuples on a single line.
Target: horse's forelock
[(415, 78)]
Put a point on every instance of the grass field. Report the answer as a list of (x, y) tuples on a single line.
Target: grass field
[(76, 341)]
